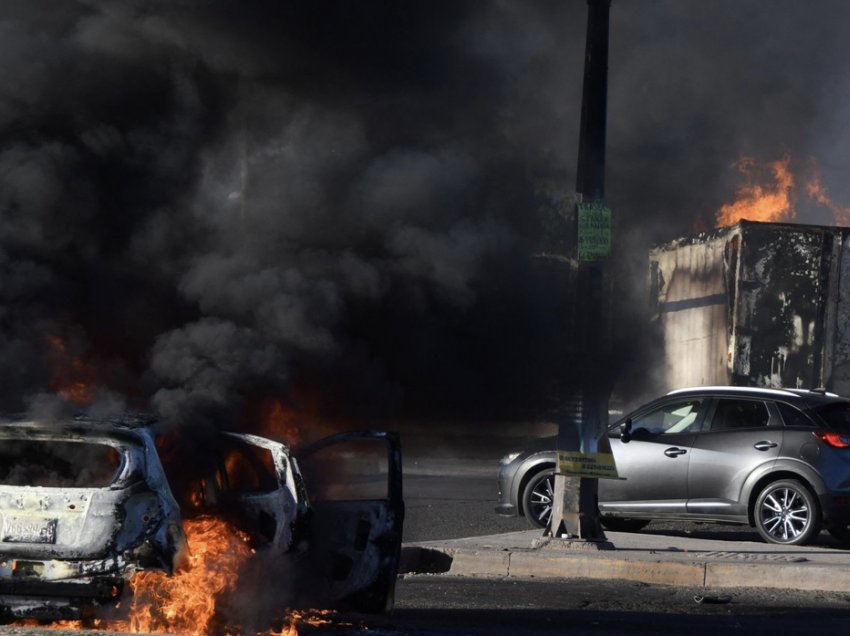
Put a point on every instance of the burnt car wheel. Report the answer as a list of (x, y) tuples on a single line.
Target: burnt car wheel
[(616, 524), (786, 513), (538, 496)]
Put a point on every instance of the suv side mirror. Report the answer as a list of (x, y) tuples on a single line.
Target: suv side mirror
[(626, 431)]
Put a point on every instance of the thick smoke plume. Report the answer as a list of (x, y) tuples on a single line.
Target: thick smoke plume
[(360, 207)]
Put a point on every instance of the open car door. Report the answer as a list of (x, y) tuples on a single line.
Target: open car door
[(354, 483)]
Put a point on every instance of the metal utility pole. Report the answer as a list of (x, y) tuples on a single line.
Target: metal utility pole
[(590, 175), (582, 456)]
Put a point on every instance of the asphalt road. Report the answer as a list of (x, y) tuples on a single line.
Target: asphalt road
[(449, 499), (451, 606), (445, 605), (450, 488)]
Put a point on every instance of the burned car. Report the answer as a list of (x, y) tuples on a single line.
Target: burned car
[(86, 504), (342, 543)]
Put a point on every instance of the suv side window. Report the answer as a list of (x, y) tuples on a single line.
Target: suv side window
[(673, 417), (792, 416), (732, 414)]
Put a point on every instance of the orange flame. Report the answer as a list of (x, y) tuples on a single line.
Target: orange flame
[(186, 602), (72, 377), (817, 191), (313, 617), (279, 422), (758, 202), (777, 201)]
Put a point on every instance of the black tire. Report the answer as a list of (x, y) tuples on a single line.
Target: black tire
[(537, 498), (786, 513), (616, 524)]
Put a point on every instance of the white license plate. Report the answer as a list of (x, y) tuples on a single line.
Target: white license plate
[(24, 530)]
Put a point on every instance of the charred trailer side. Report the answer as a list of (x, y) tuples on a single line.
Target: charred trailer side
[(755, 304)]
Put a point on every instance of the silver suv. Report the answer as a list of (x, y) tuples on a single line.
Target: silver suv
[(775, 459)]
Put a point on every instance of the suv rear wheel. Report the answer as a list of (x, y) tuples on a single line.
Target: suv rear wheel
[(787, 513)]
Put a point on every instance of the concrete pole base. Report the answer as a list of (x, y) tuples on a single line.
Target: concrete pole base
[(571, 544)]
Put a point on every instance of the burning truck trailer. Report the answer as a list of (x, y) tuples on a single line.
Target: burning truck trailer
[(90, 523), (755, 304)]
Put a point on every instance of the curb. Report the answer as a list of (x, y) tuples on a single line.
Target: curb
[(692, 573)]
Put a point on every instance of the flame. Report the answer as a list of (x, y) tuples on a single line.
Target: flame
[(757, 202), (72, 377), (186, 602), (312, 617), (817, 191), (778, 199), (279, 422)]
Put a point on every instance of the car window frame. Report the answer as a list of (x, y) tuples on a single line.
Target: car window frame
[(774, 420), (699, 421), (813, 423)]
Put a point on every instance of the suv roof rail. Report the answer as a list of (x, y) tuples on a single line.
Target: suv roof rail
[(735, 389), (822, 391)]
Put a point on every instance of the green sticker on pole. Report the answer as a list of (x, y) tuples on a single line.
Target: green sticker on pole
[(594, 231)]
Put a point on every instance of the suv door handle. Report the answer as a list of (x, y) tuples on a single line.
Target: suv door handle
[(763, 446), (675, 452)]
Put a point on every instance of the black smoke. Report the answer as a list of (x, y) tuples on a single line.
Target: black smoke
[(363, 206)]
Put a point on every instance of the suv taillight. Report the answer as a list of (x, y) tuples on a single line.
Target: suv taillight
[(836, 440)]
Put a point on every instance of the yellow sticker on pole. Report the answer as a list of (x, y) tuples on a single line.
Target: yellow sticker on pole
[(587, 464)]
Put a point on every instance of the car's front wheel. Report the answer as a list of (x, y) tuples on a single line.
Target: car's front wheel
[(786, 512), (538, 496)]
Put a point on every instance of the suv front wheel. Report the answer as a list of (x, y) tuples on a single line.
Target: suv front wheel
[(787, 513), (538, 496)]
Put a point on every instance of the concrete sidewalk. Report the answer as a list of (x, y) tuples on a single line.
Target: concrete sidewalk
[(647, 557)]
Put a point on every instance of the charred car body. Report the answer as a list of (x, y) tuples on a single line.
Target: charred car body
[(342, 544), (85, 504)]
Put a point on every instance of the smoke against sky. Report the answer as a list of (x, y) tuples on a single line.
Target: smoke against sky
[(342, 202)]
